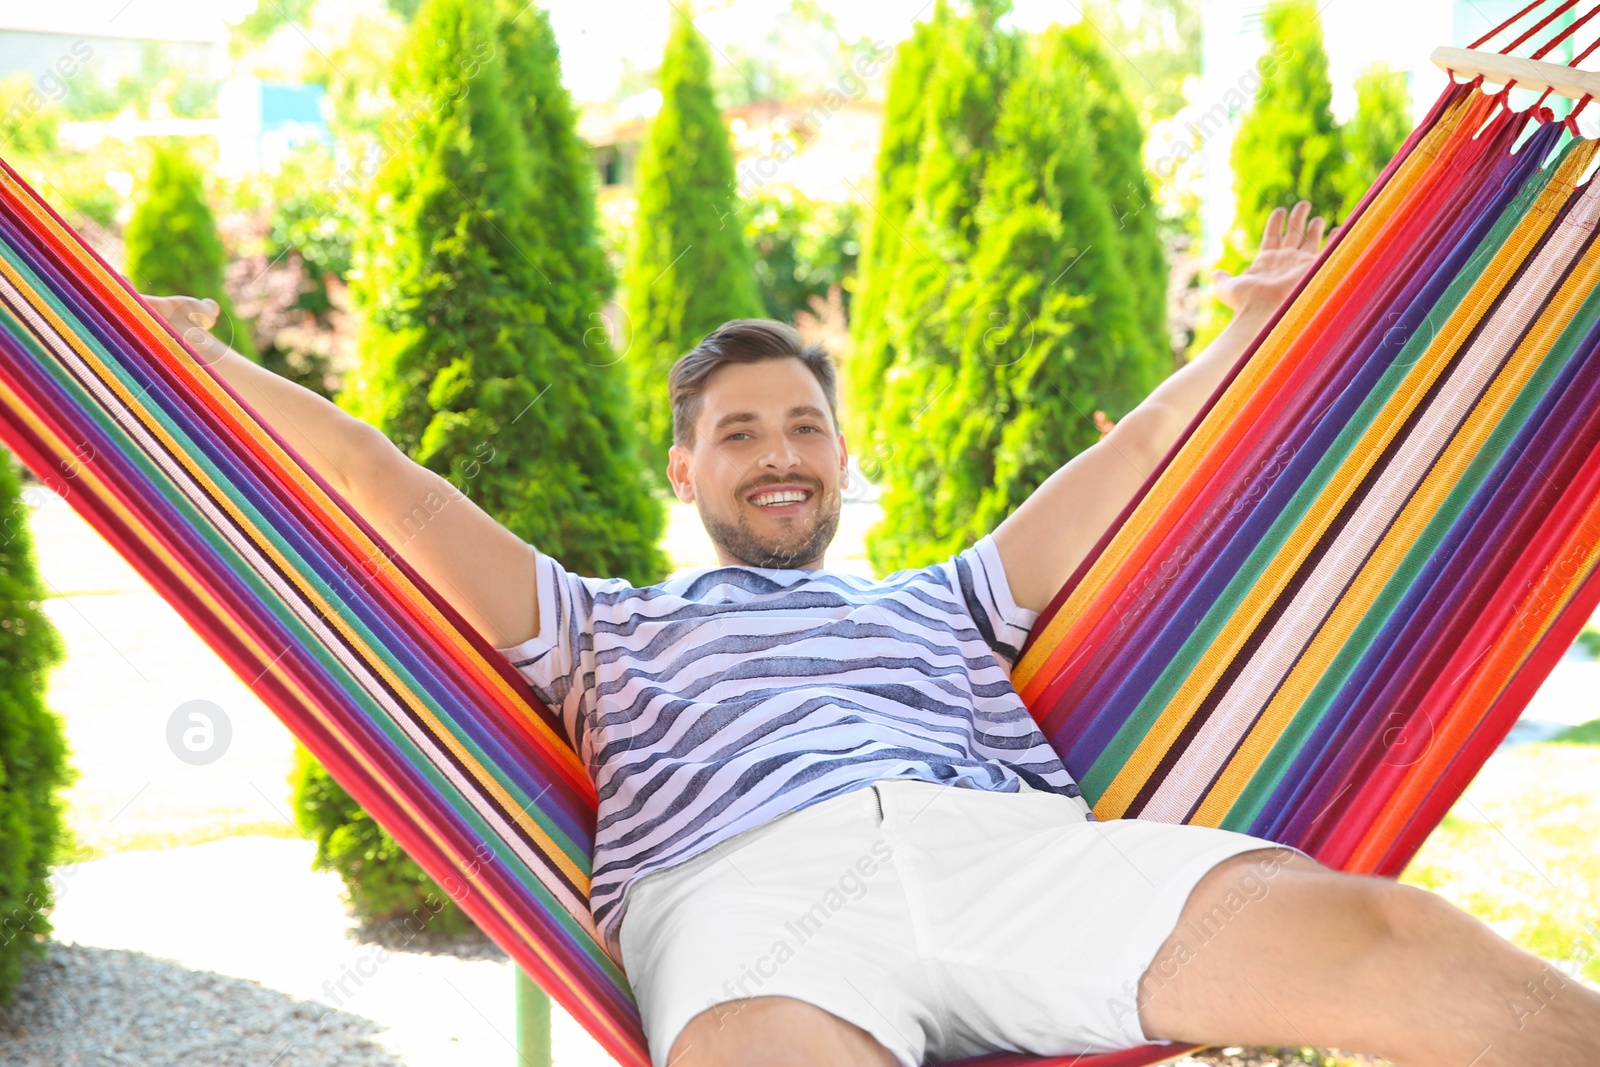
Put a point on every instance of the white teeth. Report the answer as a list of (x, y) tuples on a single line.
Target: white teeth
[(788, 496)]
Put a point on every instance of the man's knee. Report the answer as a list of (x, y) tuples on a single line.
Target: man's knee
[(774, 1031), (1409, 916), (1382, 920)]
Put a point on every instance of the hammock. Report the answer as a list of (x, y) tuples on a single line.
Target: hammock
[(1320, 617)]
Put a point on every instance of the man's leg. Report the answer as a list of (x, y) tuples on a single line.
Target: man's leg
[(775, 1032), (1273, 948)]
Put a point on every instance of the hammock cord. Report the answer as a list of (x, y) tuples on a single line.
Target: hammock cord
[(1567, 5), (1555, 42), (1507, 24)]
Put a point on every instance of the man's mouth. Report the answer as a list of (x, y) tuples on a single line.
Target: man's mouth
[(781, 501)]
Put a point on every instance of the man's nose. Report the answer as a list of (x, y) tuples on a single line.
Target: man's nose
[(781, 454)]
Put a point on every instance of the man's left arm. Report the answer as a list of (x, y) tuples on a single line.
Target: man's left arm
[(1045, 539)]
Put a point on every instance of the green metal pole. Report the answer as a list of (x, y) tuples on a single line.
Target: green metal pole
[(533, 1023)]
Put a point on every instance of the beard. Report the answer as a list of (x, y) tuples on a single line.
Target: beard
[(785, 551)]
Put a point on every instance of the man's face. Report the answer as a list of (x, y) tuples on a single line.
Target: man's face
[(764, 438)]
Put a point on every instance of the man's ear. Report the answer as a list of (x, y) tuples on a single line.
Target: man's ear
[(678, 474), (844, 455)]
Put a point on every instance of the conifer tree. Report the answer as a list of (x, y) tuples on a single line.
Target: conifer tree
[(1045, 327), (1381, 124), (560, 167), (689, 267), (479, 356), (616, 524), (872, 345), (1119, 172), (172, 243), (1288, 147), (1015, 279), (33, 751), (971, 60)]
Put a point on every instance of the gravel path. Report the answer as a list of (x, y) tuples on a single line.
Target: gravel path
[(110, 1008)]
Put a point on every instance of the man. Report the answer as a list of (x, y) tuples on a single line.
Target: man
[(829, 831)]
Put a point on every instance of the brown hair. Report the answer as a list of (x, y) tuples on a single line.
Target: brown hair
[(742, 341)]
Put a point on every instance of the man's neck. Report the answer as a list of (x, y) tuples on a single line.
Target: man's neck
[(726, 560)]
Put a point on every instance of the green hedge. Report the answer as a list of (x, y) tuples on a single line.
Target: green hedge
[(33, 765)]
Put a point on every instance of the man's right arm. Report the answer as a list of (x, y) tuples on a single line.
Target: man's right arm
[(485, 571)]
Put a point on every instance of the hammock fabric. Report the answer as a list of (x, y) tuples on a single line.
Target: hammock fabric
[(1318, 620)]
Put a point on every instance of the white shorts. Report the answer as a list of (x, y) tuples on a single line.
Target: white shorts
[(960, 922)]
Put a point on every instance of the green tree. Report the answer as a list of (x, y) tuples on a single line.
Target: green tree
[(33, 761), (616, 524), (172, 242), (477, 279), (480, 357), (1160, 40), (803, 247), (1044, 326), (906, 356), (561, 170), (1119, 173), (689, 268), (1381, 124), (1288, 147), (884, 240)]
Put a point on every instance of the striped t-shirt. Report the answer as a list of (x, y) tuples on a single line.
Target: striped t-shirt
[(727, 696)]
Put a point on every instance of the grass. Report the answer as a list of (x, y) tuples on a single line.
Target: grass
[(1519, 851), (1584, 734)]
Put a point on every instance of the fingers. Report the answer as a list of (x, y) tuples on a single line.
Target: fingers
[(186, 310), (1272, 236), (1313, 241), (1297, 224), (1291, 229)]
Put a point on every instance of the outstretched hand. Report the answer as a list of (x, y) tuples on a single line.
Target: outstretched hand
[(193, 319), (1288, 248)]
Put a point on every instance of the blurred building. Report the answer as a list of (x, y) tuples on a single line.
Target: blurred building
[(262, 121), (824, 144), (107, 41)]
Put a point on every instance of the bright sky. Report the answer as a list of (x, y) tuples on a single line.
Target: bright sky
[(596, 35), (200, 20)]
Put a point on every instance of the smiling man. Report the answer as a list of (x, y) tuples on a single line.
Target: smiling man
[(758, 515), (829, 830)]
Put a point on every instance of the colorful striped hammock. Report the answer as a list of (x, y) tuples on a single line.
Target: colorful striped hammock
[(1318, 620)]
